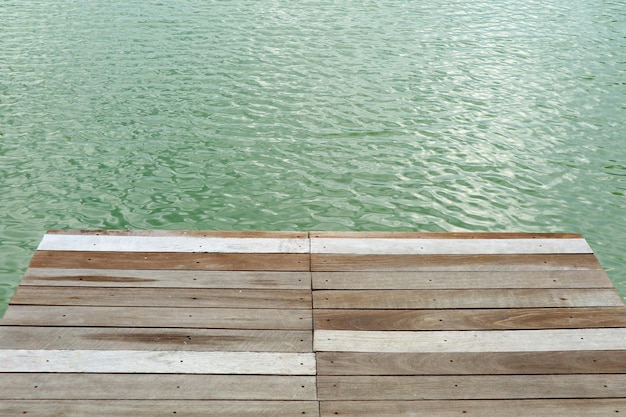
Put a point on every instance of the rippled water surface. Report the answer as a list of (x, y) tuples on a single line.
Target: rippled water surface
[(424, 115)]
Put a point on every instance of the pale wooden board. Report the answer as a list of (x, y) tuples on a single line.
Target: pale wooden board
[(164, 387), (166, 261), (111, 243), (257, 234), (439, 299), (439, 235), (470, 319), (484, 408), (470, 387), (333, 262), (399, 246), (158, 408), (166, 362), (112, 338), (166, 279), (464, 363), (470, 341), (459, 280), (158, 297), (225, 318)]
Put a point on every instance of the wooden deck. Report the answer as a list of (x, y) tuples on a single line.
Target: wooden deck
[(140, 323)]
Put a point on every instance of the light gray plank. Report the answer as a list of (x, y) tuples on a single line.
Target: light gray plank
[(224, 318), (142, 338), (164, 387), (470, 341), (166, 278), (166, 362), (158, 408), (112, 243), (382, 246), (480, 408)]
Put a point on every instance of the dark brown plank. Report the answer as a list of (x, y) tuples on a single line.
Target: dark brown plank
[(495, 363), (470, 319), (164, 387), (168, 297), (111, 338), (482, 408), (357, 280), (165, 260), (443, 299), (326, 263), (223, 318), (157, 408), (463, 387)]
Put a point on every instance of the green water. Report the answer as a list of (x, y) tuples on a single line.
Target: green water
[(422, 115)]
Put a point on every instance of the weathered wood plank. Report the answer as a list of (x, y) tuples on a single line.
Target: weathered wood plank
[(125, 243), (257, 234), (167, 279), (171, 297), (417, 280), (341, 262), (158, 408), (440, 235), (480, 408), (472, 363), (166, 261), (164, 387), (439, 299), (470, 387), (470, 319), (399, 246), (219, 318), (157, 362), (470, 341), (111, 338)]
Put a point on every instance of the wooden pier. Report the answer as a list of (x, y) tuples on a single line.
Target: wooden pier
[(141, 323)]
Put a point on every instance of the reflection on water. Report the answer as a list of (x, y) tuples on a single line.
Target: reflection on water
[(315, 115)]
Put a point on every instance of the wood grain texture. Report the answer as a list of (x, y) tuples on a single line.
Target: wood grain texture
[(472, 363), (184, 339), (156, 362), (480, 408), (439, 299), (470, 341), (470, 319), (217, 318), (334, 263), (440, 235), (474, 387), (256, 234), (418, 280), (167, 261), (171, 297), (158, 408), (163, 386), (125, 278)]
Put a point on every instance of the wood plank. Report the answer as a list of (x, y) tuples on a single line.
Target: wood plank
[(480, 408), (257, 234), (399, 246), (224, 318), (164, 387), (167, 261), (111, 338), (439, 235), (422, 280), (439, 299), (125, 243), (167, 279), (157, 362), (470, 341), (470, 319), (158, 408), (472, 363), (333, 262), (470, 387), (170, 297)]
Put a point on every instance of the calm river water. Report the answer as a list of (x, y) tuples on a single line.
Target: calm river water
[(430, 115)]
